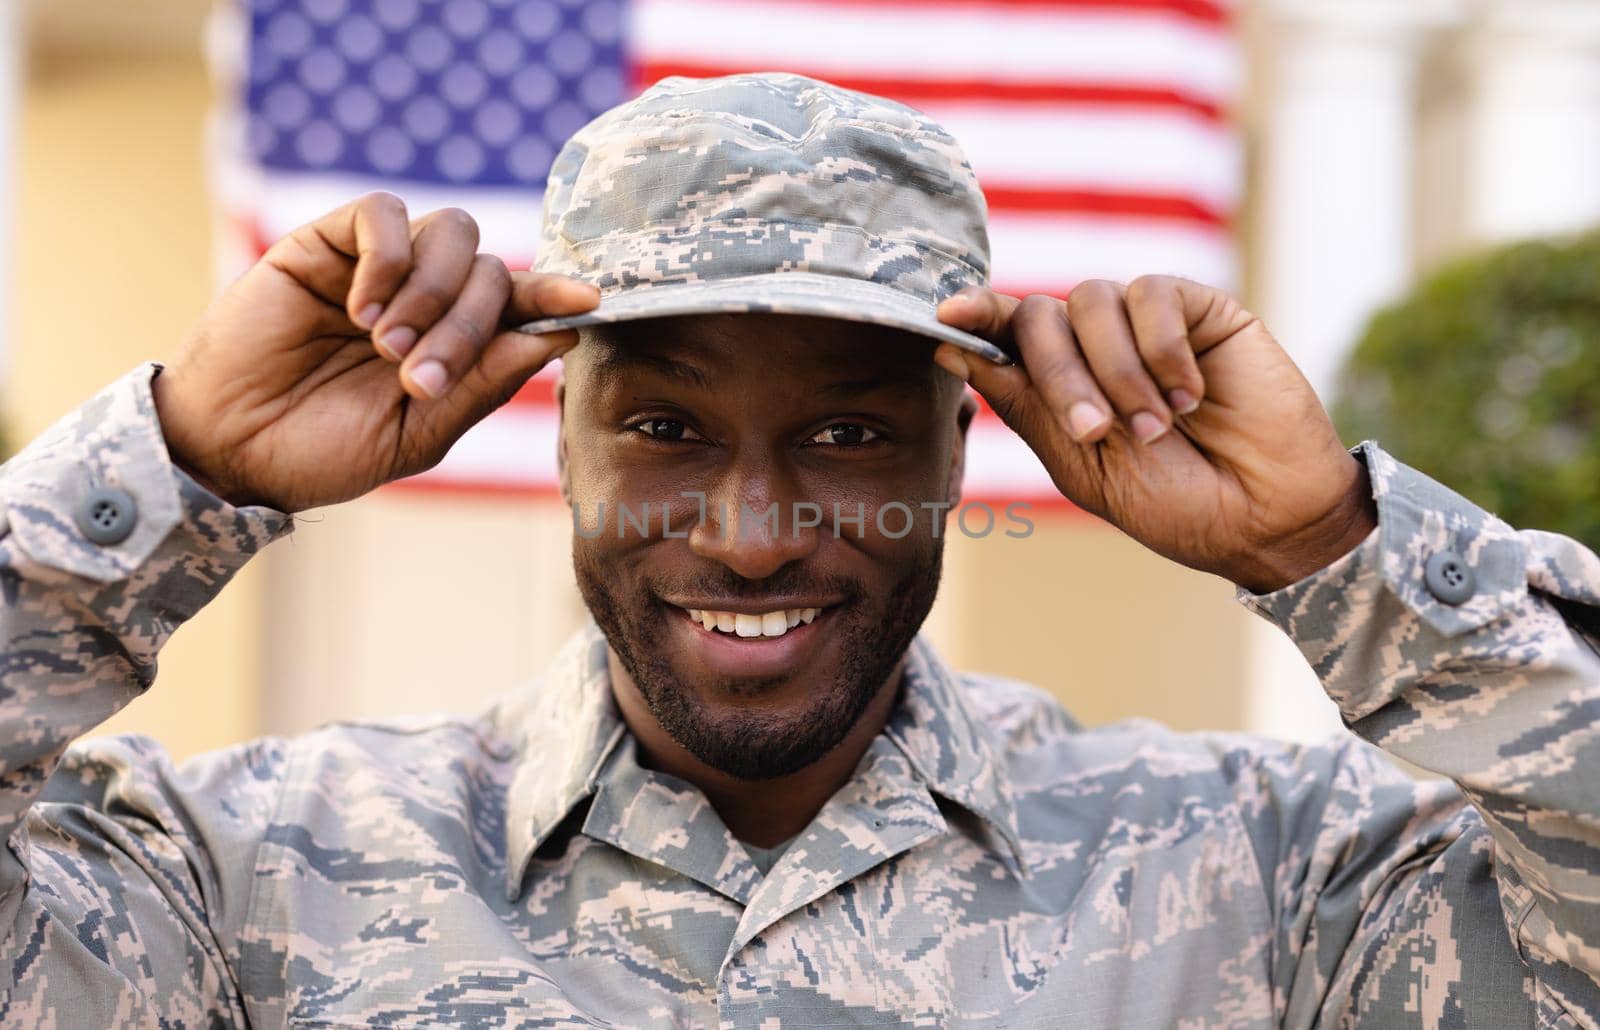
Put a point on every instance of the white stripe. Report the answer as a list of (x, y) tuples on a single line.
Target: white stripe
[(508, 218), (1109, 148), (515, 448), (999, 464), (1030, 250), (943, 42), (1046, 251)]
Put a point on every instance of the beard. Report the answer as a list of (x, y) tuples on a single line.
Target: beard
[(751, 741)]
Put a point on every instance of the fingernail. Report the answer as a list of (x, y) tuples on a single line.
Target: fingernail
[(1084, 418), (369, 315), (1182, 401), (1146, 427), (430, 377), (398, 341)]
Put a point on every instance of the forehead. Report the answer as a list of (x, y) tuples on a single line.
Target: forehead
[(756, 348)]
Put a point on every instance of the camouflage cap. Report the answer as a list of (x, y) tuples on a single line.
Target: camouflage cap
[(766, 192)]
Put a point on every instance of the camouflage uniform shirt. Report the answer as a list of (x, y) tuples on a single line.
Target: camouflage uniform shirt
[(990, 863)]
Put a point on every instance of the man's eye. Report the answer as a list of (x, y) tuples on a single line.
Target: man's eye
[(668, 429), (844, 434)]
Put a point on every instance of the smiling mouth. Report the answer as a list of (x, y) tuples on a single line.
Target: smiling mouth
[(774, 623)]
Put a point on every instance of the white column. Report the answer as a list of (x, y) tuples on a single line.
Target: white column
[(12, 49), (1335, 234), (1335, 238), (1533, 119)]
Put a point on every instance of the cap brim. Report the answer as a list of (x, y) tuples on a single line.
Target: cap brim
[(787, 293)]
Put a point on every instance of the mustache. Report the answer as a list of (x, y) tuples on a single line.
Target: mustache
[(789, 580)]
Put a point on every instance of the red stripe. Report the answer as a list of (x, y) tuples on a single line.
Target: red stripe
[(252, 231), (917, 92), (531, 396), (1010, 289), (1002, 199), (437, 485), (1068, 200), (535, 393), (1208, 12), (540, 393), (1104, 202)]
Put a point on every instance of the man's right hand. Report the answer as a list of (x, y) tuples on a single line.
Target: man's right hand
[(286, 394)]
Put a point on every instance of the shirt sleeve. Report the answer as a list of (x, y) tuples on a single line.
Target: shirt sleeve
[(1453, 642), (119, 873)]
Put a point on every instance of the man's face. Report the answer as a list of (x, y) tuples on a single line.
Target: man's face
[(798, 416)]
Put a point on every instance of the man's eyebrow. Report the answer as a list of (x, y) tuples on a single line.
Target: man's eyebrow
[(617, 361), (872, 384)]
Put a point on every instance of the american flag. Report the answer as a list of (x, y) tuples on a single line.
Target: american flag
[(1099, 130)]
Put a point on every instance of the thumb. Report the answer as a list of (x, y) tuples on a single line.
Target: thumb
[(1011, 393), (1006, 388), (509, 360)]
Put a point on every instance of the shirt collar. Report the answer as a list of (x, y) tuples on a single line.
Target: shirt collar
[(935, 728), (567, 727), (563, 729)]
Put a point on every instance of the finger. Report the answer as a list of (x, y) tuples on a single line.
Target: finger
[(1005, 387), (1100, 318), (1213, 317), (1157, 313), (981, 312), (443, 249), (1009, 390), (454, 342), (352, 258), (510, 360), (383, 256), (537, 295), (1056, 365)]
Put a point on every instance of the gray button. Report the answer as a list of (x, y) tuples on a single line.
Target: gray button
[(107, 515), (1450, 578)]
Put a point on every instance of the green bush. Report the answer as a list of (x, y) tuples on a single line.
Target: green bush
[(1488, 379)]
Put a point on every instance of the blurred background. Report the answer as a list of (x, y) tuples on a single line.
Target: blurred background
[(1331, 160)]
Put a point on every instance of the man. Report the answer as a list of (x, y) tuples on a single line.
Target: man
[(751, 796)]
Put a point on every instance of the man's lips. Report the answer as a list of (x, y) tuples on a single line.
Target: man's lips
[(728, 653)]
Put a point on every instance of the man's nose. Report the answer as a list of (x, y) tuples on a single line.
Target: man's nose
[(755, 524)]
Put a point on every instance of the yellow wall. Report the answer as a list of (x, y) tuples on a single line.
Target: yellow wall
[(112, 257), (1112, 629)]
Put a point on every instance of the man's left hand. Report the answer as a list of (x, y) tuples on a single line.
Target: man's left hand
[(1167, 409)]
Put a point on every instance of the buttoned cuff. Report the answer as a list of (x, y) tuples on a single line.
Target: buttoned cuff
[(97, 494), (1435, 557)]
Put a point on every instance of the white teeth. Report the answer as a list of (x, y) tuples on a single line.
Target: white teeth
[(767, 624)]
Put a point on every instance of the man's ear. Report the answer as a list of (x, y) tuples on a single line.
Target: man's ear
[(958, 453), (562, 476)]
